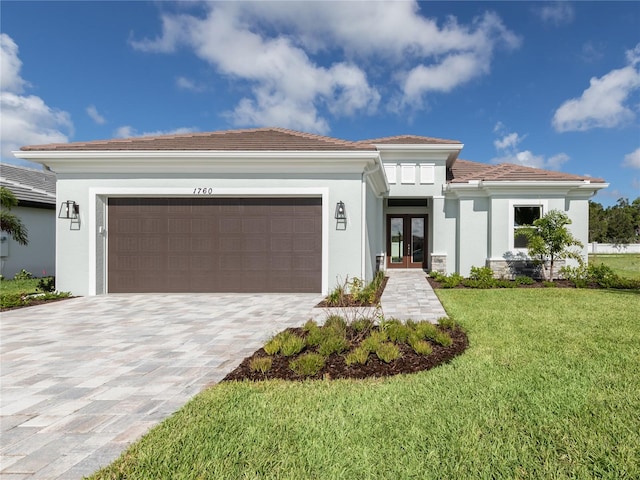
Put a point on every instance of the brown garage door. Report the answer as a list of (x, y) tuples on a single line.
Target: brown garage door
[(214, 245)]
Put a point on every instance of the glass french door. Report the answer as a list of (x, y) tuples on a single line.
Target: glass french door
[(406, 241)]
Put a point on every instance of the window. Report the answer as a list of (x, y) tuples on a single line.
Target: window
[(524, 216)]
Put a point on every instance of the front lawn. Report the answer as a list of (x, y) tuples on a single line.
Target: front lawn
[(624, 264), (547, 389)]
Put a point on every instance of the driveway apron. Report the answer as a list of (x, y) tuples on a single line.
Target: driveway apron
[(83, 378)]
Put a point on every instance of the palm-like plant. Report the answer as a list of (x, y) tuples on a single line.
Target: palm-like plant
[(8, 221)]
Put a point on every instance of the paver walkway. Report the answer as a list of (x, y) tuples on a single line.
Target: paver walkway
[(83, 378), (408, 295)]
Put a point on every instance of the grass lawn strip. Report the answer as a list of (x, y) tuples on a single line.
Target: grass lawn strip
[(25, 293), (547, 389), (624, 264)]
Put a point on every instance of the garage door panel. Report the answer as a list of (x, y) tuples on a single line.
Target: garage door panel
[(214, 245)]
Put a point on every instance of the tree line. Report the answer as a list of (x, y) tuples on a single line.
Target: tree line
[(619, 223)]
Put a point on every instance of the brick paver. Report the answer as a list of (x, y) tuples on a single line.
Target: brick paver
[(83, 378)]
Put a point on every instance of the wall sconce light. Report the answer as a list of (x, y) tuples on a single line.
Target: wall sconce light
[(341, 216), (69, 209)]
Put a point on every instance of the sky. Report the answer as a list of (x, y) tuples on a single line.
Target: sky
[(552, 85)]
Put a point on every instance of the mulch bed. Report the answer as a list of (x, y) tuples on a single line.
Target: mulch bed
[(348, 300), (335, 366)]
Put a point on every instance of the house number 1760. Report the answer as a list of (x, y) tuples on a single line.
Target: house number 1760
[(203, 191)]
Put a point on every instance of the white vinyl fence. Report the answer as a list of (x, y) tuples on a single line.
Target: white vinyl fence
[(596, 247)]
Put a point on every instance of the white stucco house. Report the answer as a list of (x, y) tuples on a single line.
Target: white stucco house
[(35, 191), (275, 210)]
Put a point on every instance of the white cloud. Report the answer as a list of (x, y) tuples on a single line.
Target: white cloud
[(184, 83), (604, 103), (507, 148), (127, 131), (26, 119), (632, 160), (92, 111), (556, 13), (276, 50)]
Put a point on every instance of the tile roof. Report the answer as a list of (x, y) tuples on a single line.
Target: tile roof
[(258, 139), (30, 186), (409, 140), (463, 171)]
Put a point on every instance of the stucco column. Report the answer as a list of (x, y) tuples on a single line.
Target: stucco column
[(439, 235)]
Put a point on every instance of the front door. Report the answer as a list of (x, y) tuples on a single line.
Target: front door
[(406, 241)]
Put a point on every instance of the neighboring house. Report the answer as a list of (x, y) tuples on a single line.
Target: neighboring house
[(275, 210), (36, 194)]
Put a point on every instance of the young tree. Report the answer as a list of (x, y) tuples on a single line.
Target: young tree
[(8, 221), (550, 240)]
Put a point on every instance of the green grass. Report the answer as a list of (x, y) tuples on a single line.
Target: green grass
[(549, 388), (625, 265), (19, 286)]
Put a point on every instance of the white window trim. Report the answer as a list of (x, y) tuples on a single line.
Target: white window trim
[(543, 204), (188, 192)]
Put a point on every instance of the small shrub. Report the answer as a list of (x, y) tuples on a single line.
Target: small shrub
[(333, 343), (442, 338), (261, 364), (335, 322), (480, 277), (336, 296), (548, 284), (397, 332), (603, 275), (373, 341), (310, 325), (579, 275), (387, 352), (23, 275), (437, 276), (11, 300), (291, 344), (362, 325), (452, 281), (421, 347), (426, 330), (523, 280), (503, 283), (273, 346), (447, 322), (47, 284), (308, 364), (358, 356)]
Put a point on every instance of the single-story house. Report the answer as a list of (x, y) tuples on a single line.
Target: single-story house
[(35, 191), (276, 210)]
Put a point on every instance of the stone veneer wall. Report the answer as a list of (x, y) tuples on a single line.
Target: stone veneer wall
[(439, 263), (512, 268)]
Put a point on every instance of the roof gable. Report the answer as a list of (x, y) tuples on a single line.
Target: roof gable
[(409, 140)]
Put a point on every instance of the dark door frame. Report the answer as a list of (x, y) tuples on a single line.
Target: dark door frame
[(407, 247)]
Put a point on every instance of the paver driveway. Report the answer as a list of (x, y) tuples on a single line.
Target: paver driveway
[(83, 378)]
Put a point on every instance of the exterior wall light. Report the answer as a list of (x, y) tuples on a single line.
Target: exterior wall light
[(69, 209), (341, 216)]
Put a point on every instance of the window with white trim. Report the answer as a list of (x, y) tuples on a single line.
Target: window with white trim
[(524, 216)]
